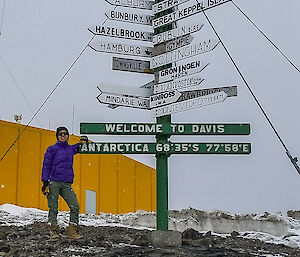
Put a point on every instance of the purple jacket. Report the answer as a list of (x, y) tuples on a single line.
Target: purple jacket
[(58, 162)]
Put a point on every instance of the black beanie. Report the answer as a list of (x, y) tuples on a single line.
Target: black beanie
[(60, 129)]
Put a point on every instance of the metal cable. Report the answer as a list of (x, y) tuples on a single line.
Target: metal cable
[(266, 37), (293, 160), (2, 17), (51, 93), (17, 86)]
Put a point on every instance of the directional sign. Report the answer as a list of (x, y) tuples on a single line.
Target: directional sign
[(182, 70), (186, 12), (175, 33), (170, 148), (177, 84), (121, 33), (119, 48), (165, 5), (148, 85), (128, 101), (173, 44), (130, 17), (141, 4), (170, 129), (125, 90), (189, 104), (183, 53), (186, 95), (131, 65), (164, 98)]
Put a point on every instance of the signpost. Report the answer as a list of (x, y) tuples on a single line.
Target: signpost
[(175, 33), (130, 17), (181, 70), (161, 96), (165, 5), (118, 32), (164, 98), (177, 84), (183, 53), (189, 104), (186, 12), (131, 65), (141, 4), (119, 48)]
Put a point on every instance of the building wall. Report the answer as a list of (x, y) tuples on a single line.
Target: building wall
[(121, 184)]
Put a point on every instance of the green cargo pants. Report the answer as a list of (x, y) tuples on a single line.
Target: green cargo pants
[(67, 193)]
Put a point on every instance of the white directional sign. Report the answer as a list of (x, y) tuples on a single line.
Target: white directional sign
[(182, 70), (119, 48), (125, 90), (229, 90), (175, 33), (121, 33), (177, 84), (141, 4), (131, 65), (164, 98), (128, 101), (165, 5), (189, 104), (183, 53), (130, 17), (186, 12)]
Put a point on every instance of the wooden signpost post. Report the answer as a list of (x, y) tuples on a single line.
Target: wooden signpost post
[(163, 96)]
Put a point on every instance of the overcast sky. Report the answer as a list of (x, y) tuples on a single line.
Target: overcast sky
[(41, 39)]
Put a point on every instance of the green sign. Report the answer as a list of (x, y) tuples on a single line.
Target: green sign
[(170, 129), (169, 147)]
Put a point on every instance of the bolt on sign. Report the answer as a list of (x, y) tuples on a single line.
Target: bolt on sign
[(140, 4), (169, 148)]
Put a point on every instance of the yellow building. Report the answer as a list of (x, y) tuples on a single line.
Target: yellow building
[(103, 183)]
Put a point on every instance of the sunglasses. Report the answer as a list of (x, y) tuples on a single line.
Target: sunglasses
[(63, 134)]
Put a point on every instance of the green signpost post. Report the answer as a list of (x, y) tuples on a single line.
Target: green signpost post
[(161, 96)]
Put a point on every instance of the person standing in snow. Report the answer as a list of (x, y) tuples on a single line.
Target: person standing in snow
[(57, 178)]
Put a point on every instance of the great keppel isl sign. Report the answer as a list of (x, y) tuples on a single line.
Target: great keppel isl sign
[(183, 53), (169, 129), (170, 148), (200, 6), (140, 4)]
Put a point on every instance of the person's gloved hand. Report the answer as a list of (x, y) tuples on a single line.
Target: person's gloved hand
[(45, 188), (84, 139)]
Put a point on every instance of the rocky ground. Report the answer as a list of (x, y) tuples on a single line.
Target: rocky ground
[(33, 240)]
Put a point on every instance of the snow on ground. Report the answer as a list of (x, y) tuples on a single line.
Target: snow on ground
[(272, 228)]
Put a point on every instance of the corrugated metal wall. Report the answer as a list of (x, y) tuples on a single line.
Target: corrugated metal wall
[(121, 184)]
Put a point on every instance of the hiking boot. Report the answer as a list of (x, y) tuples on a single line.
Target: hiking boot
[(53, 231), (73, 231)]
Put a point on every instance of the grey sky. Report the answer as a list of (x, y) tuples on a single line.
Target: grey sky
[(40, 40)]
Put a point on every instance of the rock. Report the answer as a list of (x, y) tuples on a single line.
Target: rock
[(190, 234)]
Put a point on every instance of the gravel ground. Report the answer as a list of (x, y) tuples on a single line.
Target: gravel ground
[(33, 240)]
